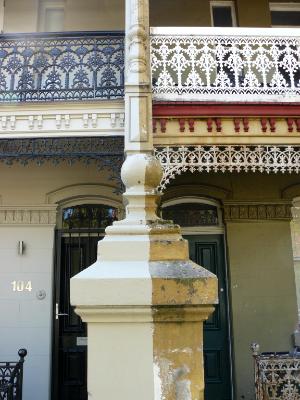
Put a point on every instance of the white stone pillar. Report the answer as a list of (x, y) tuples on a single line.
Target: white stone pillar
[(144, 300)]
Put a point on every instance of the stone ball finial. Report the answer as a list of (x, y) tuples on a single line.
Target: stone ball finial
[(141, 169)]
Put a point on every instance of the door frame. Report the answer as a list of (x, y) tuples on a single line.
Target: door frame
[(59, 235), (69, 196), (211, 230), (55, 326)]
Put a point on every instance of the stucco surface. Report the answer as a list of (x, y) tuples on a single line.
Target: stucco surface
[(26, 321), (23, 16), (260, 264), (263, 295)]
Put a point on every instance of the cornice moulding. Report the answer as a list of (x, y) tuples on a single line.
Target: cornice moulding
[(96, 119), (236, 211), (28, 215)]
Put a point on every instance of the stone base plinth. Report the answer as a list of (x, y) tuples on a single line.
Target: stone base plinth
[(145, 324)]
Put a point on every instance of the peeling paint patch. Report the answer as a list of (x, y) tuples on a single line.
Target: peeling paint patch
[(186, 350), (182, 386), (157, 383)]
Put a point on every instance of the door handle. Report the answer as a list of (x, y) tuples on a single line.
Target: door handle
[(58, 314)]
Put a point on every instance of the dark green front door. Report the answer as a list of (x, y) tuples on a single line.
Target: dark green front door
[(208, 251)]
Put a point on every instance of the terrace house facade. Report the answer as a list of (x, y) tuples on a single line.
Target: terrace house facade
[(226, 129)]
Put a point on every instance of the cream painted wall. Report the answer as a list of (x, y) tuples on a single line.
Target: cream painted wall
[(260, 264), (263, 295), (30, 184), (95, 15), (260, 255), (25, 320), (180, 13), (295, 228), (297, 275), (256, 15), (22, 15)]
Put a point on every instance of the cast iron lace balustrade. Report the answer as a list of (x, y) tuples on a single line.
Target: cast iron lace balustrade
[(106, 152), (62, 66), (225, 64), (11, 378), (269, 159), (277, 375)]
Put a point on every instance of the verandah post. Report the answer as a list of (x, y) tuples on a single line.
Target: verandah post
[(144, 301)]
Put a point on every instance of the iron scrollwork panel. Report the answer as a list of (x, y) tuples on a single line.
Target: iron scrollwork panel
[(107, 153), (276, 375), (269, 159), (222, 65), (61, 67)]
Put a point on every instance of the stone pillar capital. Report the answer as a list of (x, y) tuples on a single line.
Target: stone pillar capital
[(142, 314)]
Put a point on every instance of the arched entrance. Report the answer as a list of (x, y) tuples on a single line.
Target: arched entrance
[(81, 227), (202, 225)]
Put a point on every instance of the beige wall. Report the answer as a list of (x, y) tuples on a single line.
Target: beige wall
[(23, 15), (262, 284), (254, 13), (260, 265), (95, 15), (30, 185), (26, 321), (180, 13), (297, 277), (295, 228), (263, 297)]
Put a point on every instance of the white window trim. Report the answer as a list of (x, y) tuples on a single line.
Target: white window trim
[(222, 3), (47, 5), (284, 7)]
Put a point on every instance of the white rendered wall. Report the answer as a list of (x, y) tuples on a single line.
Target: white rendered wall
[(26, 321)]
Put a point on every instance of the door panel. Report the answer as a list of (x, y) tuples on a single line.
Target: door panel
[(76, 250), (208, 251)]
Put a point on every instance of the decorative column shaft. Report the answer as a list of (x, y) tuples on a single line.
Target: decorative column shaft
[(144, 300)]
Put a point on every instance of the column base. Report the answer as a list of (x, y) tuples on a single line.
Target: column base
[(145, 328)]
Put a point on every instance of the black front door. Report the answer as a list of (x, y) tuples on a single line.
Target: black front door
[(208, 251), (76, 250)]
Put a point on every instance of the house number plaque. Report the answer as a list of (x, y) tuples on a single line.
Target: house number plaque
[(21, 286)]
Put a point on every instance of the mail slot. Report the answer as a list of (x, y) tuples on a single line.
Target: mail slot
[(81, 341)]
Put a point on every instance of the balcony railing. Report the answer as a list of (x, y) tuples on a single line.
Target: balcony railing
[(226, 64), (276, 375), (67, 66), (193, 64)]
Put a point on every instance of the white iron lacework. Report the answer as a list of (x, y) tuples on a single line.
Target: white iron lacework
[(223, 66), (277, 376), (269, 159)]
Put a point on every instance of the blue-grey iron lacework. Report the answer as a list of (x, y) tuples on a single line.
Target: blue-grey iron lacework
[(67, 66)]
